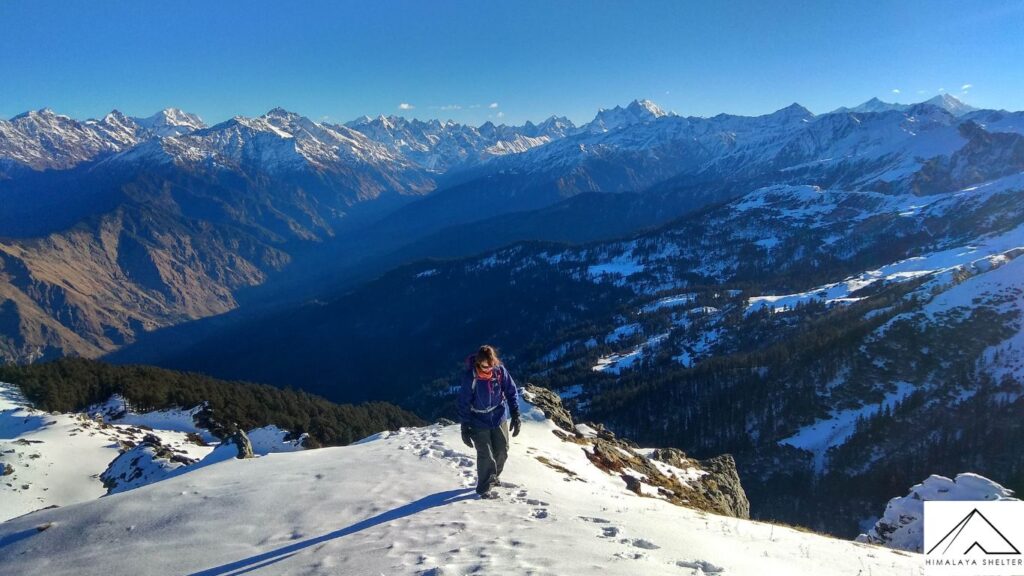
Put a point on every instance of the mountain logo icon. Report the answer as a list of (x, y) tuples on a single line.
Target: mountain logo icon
[(974, 531)]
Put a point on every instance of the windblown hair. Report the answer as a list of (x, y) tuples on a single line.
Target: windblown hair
[(487, 354)]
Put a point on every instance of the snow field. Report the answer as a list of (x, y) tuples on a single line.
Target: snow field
[(402, 503)]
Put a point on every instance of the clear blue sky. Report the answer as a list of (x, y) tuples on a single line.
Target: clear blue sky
[(338, 60)]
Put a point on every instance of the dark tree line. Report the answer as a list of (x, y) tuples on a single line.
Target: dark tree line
[(73, 384)]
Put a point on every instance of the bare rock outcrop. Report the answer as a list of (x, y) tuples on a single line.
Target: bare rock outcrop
[(241, 441), (712, 485), (144, 463)]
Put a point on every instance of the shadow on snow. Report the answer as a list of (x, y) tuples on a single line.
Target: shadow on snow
[(268, 558)]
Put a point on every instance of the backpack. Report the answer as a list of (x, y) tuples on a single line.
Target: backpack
[(500, 376)]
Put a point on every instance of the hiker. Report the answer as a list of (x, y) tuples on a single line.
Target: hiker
[(487, 390)]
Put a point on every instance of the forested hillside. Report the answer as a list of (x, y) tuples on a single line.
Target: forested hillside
[(73, 384)]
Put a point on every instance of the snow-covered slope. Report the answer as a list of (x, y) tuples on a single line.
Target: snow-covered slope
[(43, 139), (56, 459), (402, 503), (902, 526)]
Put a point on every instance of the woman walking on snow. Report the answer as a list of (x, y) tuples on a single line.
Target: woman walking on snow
[(487, 389)]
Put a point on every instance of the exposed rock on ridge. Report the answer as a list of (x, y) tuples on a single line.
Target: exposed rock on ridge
[(712, 485)]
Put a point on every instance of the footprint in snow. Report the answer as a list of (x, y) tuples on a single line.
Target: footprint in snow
[(522, 497), (640, 543), (609, 532), (594, 519), (539, 513), (700, 566)]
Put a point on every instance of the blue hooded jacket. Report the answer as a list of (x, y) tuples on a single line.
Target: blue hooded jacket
[(482, 403)]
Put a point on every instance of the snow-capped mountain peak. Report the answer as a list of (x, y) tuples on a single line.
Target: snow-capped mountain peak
[(950, 104), (872, 105), (171, 122), (793, 111), (279, 112), (647, 106), (558, 126), (41, 113), (636, 112)]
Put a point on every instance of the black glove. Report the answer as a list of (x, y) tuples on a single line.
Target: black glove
[(516, 424), (467, 435)]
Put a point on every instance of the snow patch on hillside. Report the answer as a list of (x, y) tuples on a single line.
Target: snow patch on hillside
[(982, 255), (669, 302), (619, 361), (621, 266), (835, 430)]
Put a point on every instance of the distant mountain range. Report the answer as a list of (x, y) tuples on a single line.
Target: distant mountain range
[(948, 103), (116, 227)]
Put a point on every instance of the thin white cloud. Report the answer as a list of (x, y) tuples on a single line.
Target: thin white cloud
[(474, 105), (922, 91), (966, 87), (941, 90), (405, 106), (492, 105), (501, 114), (895, 90)]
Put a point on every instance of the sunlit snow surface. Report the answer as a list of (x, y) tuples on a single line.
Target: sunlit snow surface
[(402, 503), (978, 254), (58, 459)]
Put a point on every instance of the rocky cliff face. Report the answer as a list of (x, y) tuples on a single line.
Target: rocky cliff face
[(712, 485)]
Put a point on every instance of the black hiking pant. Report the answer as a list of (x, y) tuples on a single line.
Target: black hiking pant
[(491, 452)]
